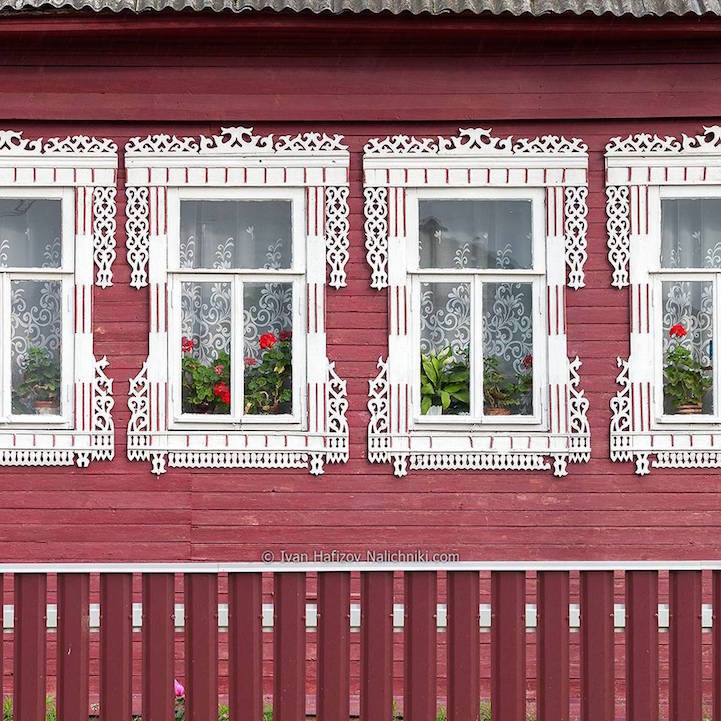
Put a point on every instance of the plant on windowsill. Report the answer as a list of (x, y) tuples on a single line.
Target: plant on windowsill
[(40, 385), (686, 381), (500, 394), (268, 381), (206, 388), (445, 382)]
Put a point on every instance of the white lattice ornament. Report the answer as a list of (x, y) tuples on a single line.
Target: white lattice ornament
[(400, 167), (304, 160), (65, 447), (475, 158), (161, 167), (575, 227), (194, 448), (637, 168), (83, 168), (76, 161)]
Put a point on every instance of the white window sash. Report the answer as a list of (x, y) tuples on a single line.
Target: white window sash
[(65, 274), (237, 278), (477, 416), (237, 417), (534, 276)]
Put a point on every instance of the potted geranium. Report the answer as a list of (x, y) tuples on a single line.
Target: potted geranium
[(206, 387), (40, 384), (686, 381), (268, 380)]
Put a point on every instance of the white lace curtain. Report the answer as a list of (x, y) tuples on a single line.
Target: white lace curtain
[(30, 233), (490, 234), (691, 233), (224, 234)]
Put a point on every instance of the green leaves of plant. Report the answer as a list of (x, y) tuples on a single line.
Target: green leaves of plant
[(199, 380), (445, 382), (41, 375), (686, 381), (268, 385)]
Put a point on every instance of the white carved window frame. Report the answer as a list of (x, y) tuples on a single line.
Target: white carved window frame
[(81, 171), (641, 169), (315, 165), (394, 169)]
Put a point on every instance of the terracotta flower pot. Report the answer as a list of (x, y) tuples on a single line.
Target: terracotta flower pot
[(689, 409), (498, 412), (45, 408)]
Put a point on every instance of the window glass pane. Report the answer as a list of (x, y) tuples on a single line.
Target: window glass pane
[(691, 233), (507, 349), (445, 348), (30, 232), (268, 348), (235, 234), (688, 346), (475, 234), (206, 322), (36, 329)]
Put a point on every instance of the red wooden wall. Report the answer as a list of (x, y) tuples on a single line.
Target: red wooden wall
[(188, 74), (120, 76)]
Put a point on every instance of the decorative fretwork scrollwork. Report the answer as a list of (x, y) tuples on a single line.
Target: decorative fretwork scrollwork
[(618, 228), (137, 232), (575, 227), (336, 232), (104, 234), (376, 232)]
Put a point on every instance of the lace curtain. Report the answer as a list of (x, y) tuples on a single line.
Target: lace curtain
[(690, 238), (691, 233), (690, 304), (30, 233), (227, 235), (459, 234), (221, 234)]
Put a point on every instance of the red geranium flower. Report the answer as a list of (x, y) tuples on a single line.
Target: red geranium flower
[(250, 361), (677, 330), (222, 391), (527, 362), (285, 335), (219, 370), (187, 344), (267, 340)]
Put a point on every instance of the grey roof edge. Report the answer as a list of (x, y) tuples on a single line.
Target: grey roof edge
[(618, 8)]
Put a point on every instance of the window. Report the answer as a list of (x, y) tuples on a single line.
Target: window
[(688, 287), (472, 235), (664, 221), (36, 274), (236, 272), (56, 218), (475, 282), (243, 356)]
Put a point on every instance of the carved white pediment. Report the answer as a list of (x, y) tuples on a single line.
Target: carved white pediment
[(647, 143), (472, 141), (237, 140)]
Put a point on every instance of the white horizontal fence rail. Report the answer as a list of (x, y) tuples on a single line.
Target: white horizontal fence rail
[(311, 616), (349, 566)]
